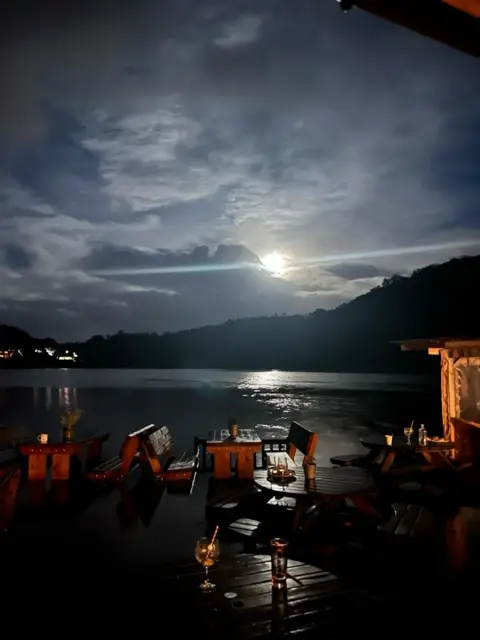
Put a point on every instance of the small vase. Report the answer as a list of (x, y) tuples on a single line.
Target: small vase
[(68, 434)]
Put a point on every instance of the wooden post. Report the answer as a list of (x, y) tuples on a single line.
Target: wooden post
[(37, 466), (60, 466)]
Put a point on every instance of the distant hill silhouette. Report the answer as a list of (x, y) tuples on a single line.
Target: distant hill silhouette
[(355, 337)]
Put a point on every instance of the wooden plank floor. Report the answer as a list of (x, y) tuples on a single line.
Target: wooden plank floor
[(321, 605)]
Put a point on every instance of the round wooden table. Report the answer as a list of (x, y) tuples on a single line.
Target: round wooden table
[(331, 484)]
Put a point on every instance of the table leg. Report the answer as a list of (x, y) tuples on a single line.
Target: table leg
[(221, 464), (387, 463), (60, 466), (301, 504), (437, 460), (37, 466), (245, 464)]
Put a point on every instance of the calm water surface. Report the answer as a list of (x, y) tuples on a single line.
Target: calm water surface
[(340, 407)]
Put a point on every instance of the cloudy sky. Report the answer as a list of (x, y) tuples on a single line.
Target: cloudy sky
[(154, 153)]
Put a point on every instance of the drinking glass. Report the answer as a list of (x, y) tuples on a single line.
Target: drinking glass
[(270, 464), (282, 465), (207, 555), (408, 431), (279, 561)]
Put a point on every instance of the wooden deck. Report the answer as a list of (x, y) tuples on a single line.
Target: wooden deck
[(314, 603), (135, 543)]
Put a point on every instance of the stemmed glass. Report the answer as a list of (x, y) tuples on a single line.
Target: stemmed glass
[(408, 431), (207, 554)]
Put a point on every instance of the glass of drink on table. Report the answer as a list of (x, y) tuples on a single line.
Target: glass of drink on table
[(279, 561), (207, 552), (282, 465), (389, 440), (270, 464), (408, 431)]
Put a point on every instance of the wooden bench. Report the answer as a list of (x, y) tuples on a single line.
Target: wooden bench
[(156, 451), (360, 460), (299, 440), (117, 468), (411, 521)]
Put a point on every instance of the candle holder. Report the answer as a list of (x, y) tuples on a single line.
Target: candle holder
[(310, 469)]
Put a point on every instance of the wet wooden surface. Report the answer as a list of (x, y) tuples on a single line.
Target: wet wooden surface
[(222, 436), (315, 602), (331, 481)]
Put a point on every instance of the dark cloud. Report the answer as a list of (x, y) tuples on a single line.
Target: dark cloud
[(15, 256), (114, 257), (357, 270)]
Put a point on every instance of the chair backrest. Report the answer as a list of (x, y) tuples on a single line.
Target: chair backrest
[(128, 451), (157, 446), (303, 440)]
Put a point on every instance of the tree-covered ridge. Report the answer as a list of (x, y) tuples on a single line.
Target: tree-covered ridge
[(435, 301)]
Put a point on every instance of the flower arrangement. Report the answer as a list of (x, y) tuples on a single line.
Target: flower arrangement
[(70, 418)]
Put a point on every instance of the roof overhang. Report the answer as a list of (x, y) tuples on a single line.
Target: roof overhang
[(435, 345), (456, 23)]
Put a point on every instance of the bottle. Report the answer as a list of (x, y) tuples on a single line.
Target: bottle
[(422, 436)]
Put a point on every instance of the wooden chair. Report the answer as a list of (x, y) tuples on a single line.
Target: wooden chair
[(117, 468), (299, 440), (157, 453)]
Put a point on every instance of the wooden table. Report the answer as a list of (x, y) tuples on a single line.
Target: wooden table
[(321, 605), (245, 446), (331, 485), (61, 453), (435, 453)]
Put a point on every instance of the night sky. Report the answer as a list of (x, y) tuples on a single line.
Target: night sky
[(153, 154)]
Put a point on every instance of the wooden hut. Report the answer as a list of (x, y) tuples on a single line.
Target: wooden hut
[(454, 22), (460, 386)]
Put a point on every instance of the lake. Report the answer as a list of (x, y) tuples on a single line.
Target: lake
[(340, 407)]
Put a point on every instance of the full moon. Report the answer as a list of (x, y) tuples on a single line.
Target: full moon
[(275, 263)]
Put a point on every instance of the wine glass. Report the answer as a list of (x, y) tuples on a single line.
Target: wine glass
[(207, 553), (408, 431)]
